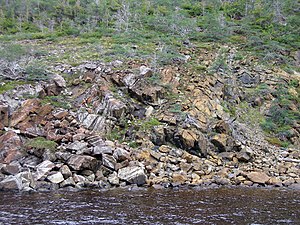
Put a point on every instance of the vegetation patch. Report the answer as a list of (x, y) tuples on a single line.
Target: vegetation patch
[(41, 143)]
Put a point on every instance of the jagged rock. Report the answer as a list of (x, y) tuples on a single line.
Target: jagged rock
[(179, 178), (188, 138), (81, 162), (79, 179), (10, 144), (59, 81), (11, 183), (77, 146), (27, 180), (46, 186), (65, 171), (68, 182), (164, 149), (222, 181), (274, 181), (4, 112), (11, 169), (222, 127), (56, 178), (121, 154), (29, 106), (43, 169), (221, 141), (113, 178), (63, 156), (145, 92), (92, 122), (132, 175), (243, 156), (145, 71), (61, 114), (88, 77), (109, 161), (149, 111), (99, 150), (258, 177)]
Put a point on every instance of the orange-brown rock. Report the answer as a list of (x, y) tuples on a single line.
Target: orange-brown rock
[(188, 138), (29, 106), (258, 177), (10, 144)]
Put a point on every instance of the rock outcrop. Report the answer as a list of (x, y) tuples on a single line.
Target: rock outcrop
[(178, 131)]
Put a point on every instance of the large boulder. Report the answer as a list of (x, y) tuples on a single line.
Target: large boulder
[(81, 162), (10, 144), (109, 161), (132, 175), (29, 106), (56, 178), (43, 169), (258, 177), (11, 183)]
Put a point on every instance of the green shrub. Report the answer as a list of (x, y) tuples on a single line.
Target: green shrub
[(41, 143), (36, 72), (12, 52), (7, 86), (57, 101)]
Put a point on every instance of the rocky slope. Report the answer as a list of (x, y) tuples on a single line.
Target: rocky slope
[(106, 125)]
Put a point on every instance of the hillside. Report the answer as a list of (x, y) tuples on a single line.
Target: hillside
[(159, 93)]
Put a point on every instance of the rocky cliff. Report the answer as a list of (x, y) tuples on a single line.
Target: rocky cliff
[(105, 125)]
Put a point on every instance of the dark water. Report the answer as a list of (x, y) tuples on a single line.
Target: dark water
[(211, 206)]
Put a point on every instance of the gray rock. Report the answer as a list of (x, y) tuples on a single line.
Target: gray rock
[(65, 171), (11, 183), (43, 169), (59, 80), (113, 178), (121, 154), (49, 155), (243, 156), (11, 169), (67, 183), (79, 179), (56, 178), (63, 156), (109, 161), (81, 162), (132, 175), (92, 122), (99, 150), (145, 71), (45, 186), (77, 146), (27, 179)]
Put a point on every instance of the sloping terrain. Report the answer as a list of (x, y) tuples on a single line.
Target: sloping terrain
[(209, 117)]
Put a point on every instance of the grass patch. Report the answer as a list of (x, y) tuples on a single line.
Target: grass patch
[(56, 101), (4, 87), (41, 143)]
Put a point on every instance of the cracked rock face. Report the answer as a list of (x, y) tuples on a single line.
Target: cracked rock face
[(177, 131), (132, 175)]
